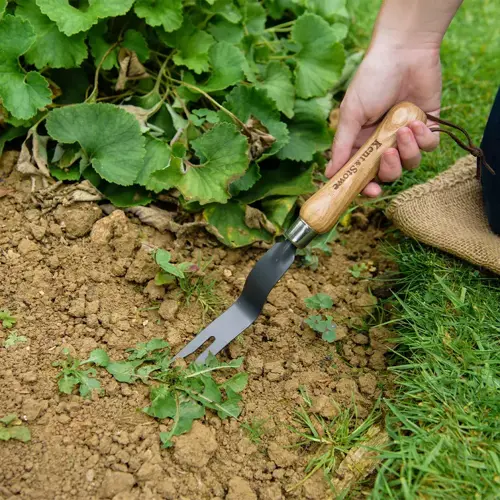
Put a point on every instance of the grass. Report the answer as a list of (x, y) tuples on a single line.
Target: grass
[(444, 419)]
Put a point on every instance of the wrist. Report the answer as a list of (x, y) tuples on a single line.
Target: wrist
[(392, 38)]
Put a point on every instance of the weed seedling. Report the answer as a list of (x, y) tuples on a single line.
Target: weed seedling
[(14, 339), (190, 279), (319, 322), (357, 269), (181, 394), (11, 428), (7, 320), (73, 376), (254, 429), (309, 255)]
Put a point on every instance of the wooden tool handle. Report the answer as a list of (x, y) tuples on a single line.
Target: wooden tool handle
[(322, 210)]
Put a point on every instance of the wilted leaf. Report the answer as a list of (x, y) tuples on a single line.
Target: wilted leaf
[(33, 157), (130, 68), (248, 102), (255, 219), (227, 224)]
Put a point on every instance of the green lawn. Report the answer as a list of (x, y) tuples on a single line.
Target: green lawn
[(445, 417)]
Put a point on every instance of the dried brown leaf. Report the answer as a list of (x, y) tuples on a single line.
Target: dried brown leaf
[(33, 157), (130, 68), (260, 138), (255, 219)]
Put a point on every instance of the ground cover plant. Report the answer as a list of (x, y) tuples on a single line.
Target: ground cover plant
[(321, 323), (11, 427), (222, 103), (179, 393)]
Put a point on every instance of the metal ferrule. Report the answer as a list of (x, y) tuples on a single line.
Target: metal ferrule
[(300, 233)]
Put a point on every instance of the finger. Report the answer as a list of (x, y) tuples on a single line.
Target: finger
[(426, 140), (350, 123), (409, 151), (390, 166), (372, 190)]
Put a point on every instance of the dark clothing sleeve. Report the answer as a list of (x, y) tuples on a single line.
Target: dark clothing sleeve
[(491, 183)]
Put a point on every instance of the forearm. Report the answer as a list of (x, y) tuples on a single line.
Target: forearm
[(413, 23)]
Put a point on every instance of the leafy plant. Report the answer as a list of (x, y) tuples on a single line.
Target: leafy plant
[(318, 322), (181, 394), (254, 429), (214, 101), (357, 269), (7, 320), (191, 280), (72, 376), (11, 428), (14, 339), (320, 244)]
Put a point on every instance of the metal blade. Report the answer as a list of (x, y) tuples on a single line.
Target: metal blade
[(261, 280)]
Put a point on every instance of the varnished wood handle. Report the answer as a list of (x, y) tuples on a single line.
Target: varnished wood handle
[(322, 210)]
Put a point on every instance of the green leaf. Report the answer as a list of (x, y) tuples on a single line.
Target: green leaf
[(227, 224), (99, 47), (188, 412), (319, 301), (144, 349), (309, 132), (3, 6), (20, 433), (10, 134), (162, 402), (99, 357), (277, 82), (14, 339), (67, 383), (71, 20), (165, 13), (211, 390), (286, 180), (223, 154), (277, 210), (162, 258), (328, 9), (251, 176), (157, 158), (192, 47), (237, 382), (88, 383), (110, 138), (320, 59), (23, 94), (123, 371), (322, 325), (245, 102), (125, 196), (70, 174), (7, 320), (227, 10), (230, 408), (224, 31), (254, 17), (8, 419), (51, 48), (227, 62), (133, 40)]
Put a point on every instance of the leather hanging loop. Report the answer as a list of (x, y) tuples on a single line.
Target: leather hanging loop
[(469, 147)]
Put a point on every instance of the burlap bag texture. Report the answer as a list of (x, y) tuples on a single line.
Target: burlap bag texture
[(447, 213)]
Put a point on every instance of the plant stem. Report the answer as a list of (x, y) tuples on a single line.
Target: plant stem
[(281, 26), (93, 96)]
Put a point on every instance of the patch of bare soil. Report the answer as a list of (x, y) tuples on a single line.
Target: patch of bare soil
[(76, 278)]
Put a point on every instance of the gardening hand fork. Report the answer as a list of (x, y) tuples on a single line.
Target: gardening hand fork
[(318, 215)]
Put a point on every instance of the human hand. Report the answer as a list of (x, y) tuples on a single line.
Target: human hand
[(386, 76)]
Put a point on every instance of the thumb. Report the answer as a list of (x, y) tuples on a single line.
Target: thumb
[(350, 123)]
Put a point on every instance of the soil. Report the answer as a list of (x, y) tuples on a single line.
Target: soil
[(77, 278)]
